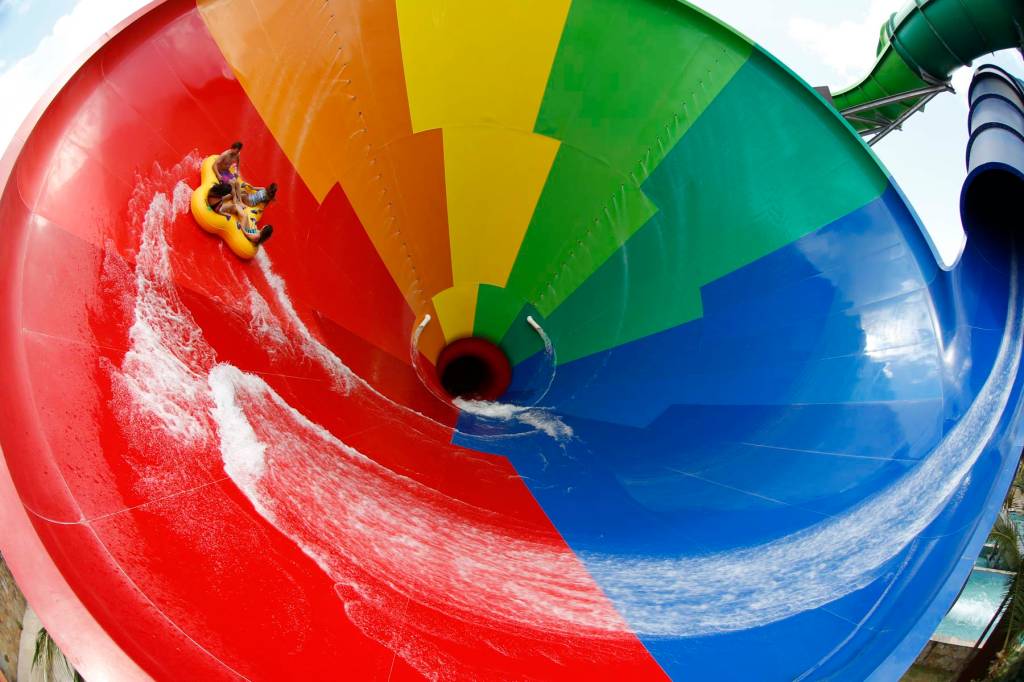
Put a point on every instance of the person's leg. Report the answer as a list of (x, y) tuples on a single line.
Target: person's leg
[(229, 209), (260, 195), (237, 194), (257, 195), (265, 234), (251, 231), (249, 227), (223, 207)]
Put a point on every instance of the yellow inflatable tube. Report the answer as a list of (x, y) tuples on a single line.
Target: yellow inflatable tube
[(226, 228)]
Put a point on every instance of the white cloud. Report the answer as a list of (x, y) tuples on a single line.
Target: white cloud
[(962, 82), (848, 46), (26, 80)]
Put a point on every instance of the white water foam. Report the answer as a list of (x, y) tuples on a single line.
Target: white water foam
[(745, 588), (265, 327), (393, 544), (341, 375), (543, 420), (385, 539), (245, 461), (549, 353), (348, 511), (164, 370), (758, 585), (977, 610)]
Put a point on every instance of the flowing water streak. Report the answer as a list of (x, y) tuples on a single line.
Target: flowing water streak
[(540, 419), (264, 325), (744, 588), (549, 354), (341, 375), (164, 370), (345, 509), (377, 532), (740, 589), (382, 536)]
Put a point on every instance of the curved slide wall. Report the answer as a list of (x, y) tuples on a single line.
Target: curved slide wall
[(923, 44), (766, 437)]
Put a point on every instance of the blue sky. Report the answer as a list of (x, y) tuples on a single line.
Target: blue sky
[(827, 43), (40, 40), (23, 23)]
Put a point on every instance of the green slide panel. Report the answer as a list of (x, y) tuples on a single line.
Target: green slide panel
[(614, 132), (726, 227), (923, 44)]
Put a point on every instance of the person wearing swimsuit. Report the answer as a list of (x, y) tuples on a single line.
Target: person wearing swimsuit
[(227, 169), (226, 165), (220, 199)]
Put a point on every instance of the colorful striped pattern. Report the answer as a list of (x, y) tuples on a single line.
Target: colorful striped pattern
[(547, 153), (774, 429)]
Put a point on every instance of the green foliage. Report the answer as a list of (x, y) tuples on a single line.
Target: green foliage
[(1018, 480), (1008, 667), (49, 659), (1008, 546)]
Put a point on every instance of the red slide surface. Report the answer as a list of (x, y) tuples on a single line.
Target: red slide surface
[(138, 352)]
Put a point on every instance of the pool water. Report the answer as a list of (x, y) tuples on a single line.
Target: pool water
[(988, 558), (977, 604)]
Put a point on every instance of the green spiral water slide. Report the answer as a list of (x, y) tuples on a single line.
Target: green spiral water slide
[(919, 49)]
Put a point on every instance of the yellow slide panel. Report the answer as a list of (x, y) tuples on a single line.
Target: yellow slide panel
[(455, 310), (472, 62), (493, 178)]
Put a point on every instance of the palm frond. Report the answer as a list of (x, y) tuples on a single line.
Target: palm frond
[(1007, 542), (1008, 667), (1018, 478), (1008, 547), (48, 659), (1014, 612)]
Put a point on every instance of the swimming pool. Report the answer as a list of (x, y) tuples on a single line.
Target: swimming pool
[(977, 604)]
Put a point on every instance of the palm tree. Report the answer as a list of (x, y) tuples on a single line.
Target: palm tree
[(49, 659), (1018, 484), (1009, 667), (1008, 546)]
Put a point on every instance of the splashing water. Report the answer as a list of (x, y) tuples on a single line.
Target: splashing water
[(164, 370), (542, 420), (264, 325), (386, 539), (341, 375), (744, 588)]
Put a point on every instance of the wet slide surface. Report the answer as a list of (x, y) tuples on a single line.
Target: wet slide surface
[(761, 436)]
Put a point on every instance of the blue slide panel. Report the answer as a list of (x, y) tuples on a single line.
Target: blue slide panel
[(825, 380)]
